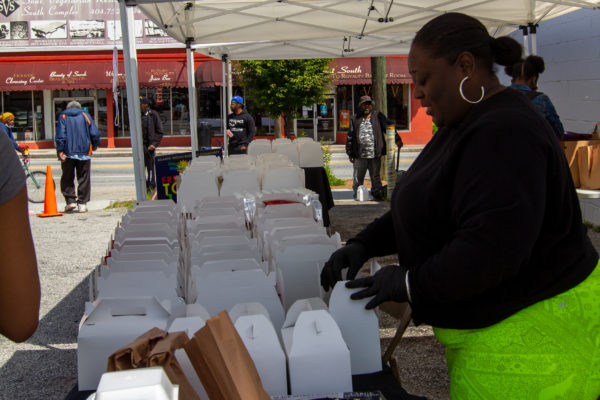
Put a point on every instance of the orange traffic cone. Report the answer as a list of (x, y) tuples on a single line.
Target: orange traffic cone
[(49, 197)]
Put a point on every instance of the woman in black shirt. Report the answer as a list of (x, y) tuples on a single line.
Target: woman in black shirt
[(486, 223)]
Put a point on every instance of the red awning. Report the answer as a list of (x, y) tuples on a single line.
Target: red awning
[(209, 74), (357, 70), (89, 71)]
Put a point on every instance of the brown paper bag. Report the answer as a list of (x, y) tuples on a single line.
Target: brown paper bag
[(152, 349), (163, 355), (570, 148), (589, 166), (135, 354), (223, 363)]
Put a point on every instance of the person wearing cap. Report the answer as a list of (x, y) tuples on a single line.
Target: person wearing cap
[(366, 144), (240, 127), (7, 121), (152, 133), (76, 137)]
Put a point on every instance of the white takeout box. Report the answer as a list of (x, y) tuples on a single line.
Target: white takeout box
[(260, 338), (297, 280), (137, 384), (135, 284), (222, 290), (318, 358), (252, 308), (141, 265), (359, 327), (113, 323), (193, 318)]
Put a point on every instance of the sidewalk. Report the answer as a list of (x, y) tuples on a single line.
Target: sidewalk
[(126, 151)]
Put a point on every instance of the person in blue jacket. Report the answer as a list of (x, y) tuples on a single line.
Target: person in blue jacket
[(7, 121), (525, 75), (76, 137)]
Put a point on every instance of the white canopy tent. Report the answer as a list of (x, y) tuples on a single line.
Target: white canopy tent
[(278, 29)]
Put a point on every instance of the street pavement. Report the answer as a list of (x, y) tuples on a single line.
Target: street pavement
[(112, 173)]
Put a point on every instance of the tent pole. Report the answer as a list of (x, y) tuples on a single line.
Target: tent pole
[(192, 99), (533, 32), (525, 40), (224, 107), (229, 82), (133, 98)]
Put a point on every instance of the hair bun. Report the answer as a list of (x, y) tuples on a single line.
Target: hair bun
[(506, 50), (537, 63)]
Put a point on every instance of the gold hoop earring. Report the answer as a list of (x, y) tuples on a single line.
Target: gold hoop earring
[(460, 90)]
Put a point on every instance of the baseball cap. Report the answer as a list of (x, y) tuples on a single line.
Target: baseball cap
[(365, 99), (237, 99), (145, 100)]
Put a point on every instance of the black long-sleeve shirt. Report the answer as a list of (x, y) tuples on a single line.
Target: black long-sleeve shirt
[(486, 219), (242, 127)]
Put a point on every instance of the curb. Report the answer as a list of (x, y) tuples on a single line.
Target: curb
[(126, 152)]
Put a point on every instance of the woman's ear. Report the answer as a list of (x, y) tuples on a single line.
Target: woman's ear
[(466, 63)]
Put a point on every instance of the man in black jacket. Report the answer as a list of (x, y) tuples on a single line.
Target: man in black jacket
[(240, 127), (366, 144), (152, 134)]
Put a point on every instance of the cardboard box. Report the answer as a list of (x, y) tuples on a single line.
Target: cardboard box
[(260, 338), (318, 358), (135, 284), (223, 290), (359, 327), (111, 324)]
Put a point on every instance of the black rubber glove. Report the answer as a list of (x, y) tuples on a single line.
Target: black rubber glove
[(352, 256), (388, 284)]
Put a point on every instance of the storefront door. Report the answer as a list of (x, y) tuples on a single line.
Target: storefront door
[(318, 121), (88, 104), (325, 120)]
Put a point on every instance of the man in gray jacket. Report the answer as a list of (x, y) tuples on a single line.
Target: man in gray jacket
[(366, 144)]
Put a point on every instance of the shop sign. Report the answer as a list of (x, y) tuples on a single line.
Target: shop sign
[(7, 7), (67, 23), (168, 167)]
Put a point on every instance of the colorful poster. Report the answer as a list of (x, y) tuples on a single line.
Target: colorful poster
[(344, 119), (168, 167), (67, 23)]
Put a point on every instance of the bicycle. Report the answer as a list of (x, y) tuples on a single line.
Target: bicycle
[(35, 181)]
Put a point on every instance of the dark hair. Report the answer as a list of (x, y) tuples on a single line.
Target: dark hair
[(527, 68), (450, 34)]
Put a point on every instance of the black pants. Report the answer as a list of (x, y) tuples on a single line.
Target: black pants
[(70, 167), (149, 164)]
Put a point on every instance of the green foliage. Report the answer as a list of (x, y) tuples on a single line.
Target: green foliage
[(333, 180), (284, 86), (591, 226), (121, 204)]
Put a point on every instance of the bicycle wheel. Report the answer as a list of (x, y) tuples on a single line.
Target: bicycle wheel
[(36, 186)]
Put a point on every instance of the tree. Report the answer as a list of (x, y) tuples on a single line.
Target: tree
[(284, 86)]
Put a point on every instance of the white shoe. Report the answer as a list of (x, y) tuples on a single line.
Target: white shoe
[(70, 207), (82, 208)]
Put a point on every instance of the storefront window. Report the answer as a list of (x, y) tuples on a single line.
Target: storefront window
[(122, 129), (172, 106), (102, 115), (28, 111), (344, 102), (398, 104)]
